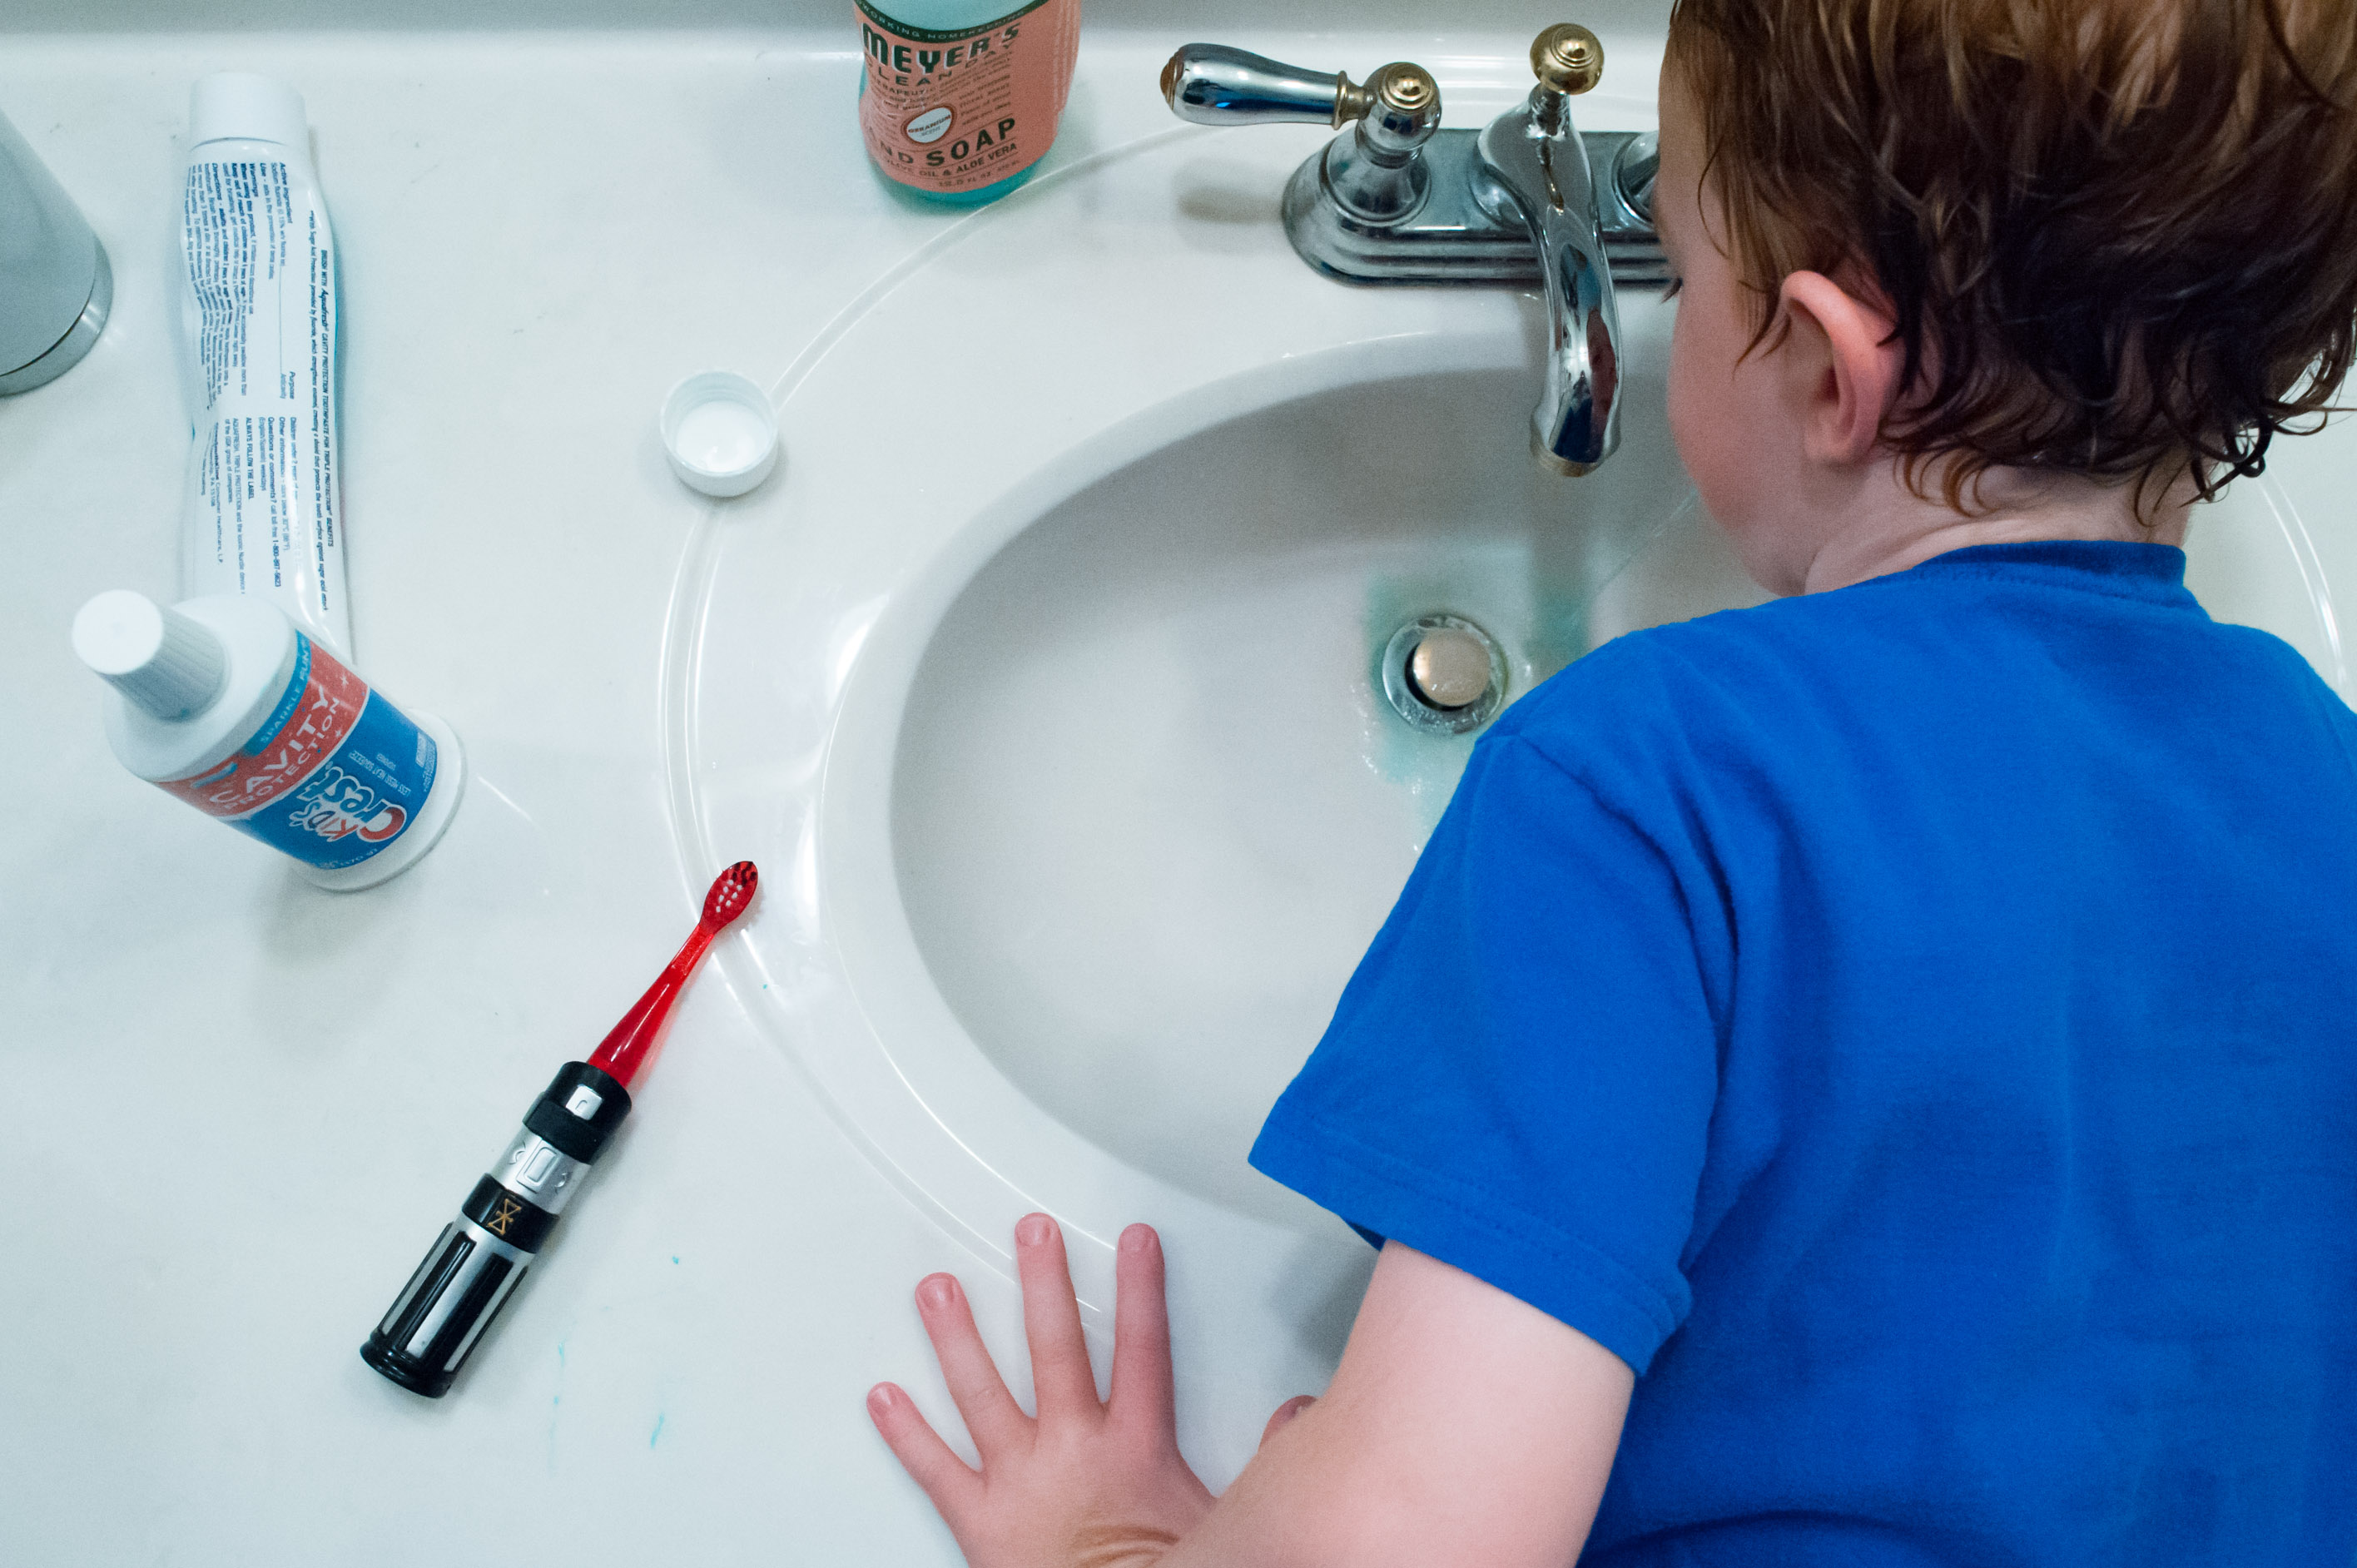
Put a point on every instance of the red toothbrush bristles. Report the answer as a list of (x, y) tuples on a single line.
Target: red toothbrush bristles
[(624, 1050)]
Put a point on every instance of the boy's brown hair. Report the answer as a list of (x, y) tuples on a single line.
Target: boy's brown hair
[(2119, 237)]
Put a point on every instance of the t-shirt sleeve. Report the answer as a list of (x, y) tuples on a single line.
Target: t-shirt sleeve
[(1519, 1078)]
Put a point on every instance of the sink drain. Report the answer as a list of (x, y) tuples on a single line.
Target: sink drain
[(1444, 674)]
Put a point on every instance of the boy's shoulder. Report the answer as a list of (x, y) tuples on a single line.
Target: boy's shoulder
[(1668, 675), (1633, 716), (1976, 633)]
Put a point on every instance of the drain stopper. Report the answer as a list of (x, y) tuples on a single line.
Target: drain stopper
[(1443, 674), (1450, 668)]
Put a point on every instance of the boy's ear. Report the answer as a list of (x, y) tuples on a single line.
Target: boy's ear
[(1843, 369)]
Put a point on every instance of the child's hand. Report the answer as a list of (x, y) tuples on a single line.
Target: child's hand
[(1084, 1484)]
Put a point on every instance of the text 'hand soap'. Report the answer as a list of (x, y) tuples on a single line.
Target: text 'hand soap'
[(960, 100)]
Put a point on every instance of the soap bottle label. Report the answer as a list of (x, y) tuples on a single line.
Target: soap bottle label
[(332, 776), (949, 111)]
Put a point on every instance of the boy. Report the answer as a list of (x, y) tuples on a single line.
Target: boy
[(1907, 1111)]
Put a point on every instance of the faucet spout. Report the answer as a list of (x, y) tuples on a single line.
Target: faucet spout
[(1396, 198), (1534, 153)]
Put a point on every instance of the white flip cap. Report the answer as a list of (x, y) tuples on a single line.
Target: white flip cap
[(719, 432), (240, 105), (159, 658)]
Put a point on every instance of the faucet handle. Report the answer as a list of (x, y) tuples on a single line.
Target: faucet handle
[(1375, 172), (1634, 172), (1568, 59), (1212, 84)]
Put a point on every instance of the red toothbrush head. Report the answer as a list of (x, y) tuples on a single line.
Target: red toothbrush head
[(732, 891), (624, 1051)]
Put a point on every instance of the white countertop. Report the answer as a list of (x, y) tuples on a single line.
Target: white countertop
[(240, 1108)]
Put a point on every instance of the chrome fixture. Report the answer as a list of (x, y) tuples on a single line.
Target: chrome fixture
[(1395, 198), (56, 287), (1444, 674), (1536, 153)]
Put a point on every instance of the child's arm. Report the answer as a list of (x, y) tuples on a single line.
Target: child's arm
[(1463, 1427)]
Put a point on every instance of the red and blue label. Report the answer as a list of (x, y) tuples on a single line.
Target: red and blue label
[(334, 775)]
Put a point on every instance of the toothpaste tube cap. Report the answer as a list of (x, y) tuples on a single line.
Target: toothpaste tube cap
[(159, 658), (238, 105), (719, 432)]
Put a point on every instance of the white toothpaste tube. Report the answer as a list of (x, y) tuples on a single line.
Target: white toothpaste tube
[(263, 515)]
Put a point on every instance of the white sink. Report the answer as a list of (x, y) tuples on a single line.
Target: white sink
[(1043, 685), (1149, 803)]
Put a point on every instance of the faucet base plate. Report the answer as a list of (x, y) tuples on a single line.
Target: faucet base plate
[(1467, 231)]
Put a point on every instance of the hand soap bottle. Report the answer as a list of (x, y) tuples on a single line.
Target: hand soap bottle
[(960, 98)]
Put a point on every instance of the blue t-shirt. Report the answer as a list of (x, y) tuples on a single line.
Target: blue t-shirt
[(1915, 1026)]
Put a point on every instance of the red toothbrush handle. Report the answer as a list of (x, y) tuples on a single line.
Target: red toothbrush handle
[(624, 1050)]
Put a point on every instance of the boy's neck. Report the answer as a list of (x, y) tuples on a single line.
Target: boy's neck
[(1885, 527)]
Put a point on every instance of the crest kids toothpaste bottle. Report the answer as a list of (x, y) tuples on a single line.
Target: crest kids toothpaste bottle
[(961, 97), (223, 702)]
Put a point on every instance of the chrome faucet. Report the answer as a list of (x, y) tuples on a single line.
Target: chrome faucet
[(1395, 200), (1534, 151)]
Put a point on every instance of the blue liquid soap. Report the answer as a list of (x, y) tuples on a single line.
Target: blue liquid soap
[(960, 100)]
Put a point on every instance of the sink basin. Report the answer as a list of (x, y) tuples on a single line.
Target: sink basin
[(1149, 803), (1049, 702)]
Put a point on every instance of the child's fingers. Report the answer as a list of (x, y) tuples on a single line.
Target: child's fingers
[(931, 1462), (1141, 1334), (1061, 1378), (990, 1411)]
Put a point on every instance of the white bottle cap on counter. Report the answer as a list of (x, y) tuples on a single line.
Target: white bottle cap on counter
[(159, 658), (236, 105), (719, 432)]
